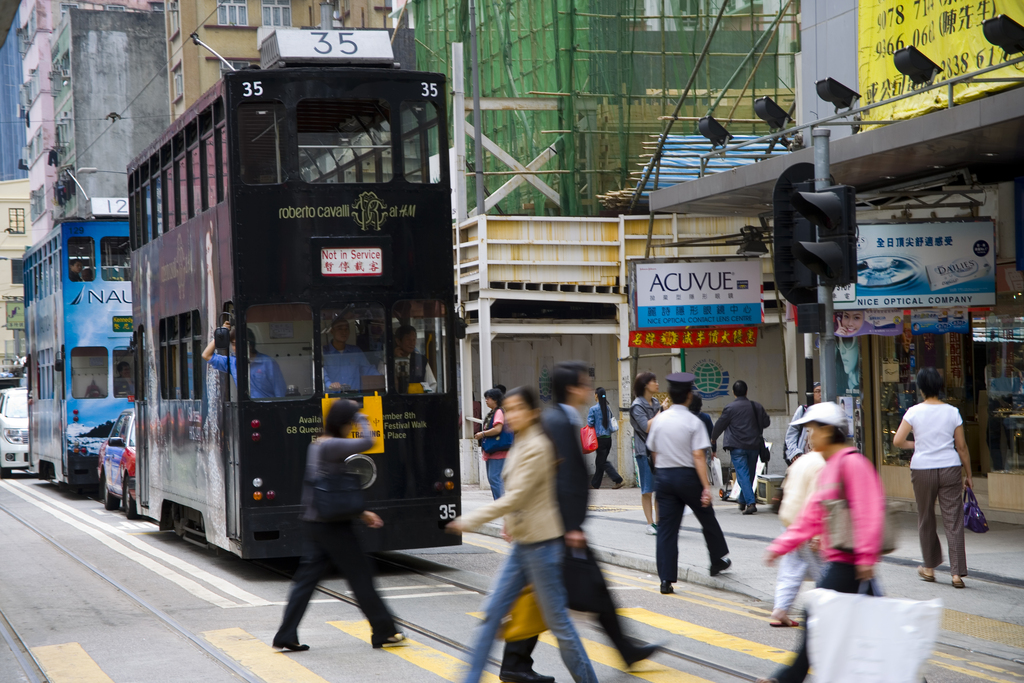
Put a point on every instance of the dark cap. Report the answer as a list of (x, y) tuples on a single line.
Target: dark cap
[(338, 319), (682, 378)]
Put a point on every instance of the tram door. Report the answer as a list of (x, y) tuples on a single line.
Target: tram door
[(141, 419)]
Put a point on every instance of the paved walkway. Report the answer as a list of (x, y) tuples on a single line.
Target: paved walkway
[(995, 587)]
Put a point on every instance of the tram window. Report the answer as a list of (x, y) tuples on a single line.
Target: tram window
[(209, 172), (354, 349), (420, 154), (169, 198), (81, 259), (418, 332), (344, 141), (196, 357), (260, 128), (114, 259), (89, 372), (221, 162), (280, 351), (182, 176), (124, 372), (197, 182)]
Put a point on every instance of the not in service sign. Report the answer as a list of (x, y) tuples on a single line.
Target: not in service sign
[(698, 294), (351, 261)]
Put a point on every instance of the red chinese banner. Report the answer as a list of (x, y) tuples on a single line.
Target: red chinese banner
[(693, 339)]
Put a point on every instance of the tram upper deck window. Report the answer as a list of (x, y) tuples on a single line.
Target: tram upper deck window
[(354, 357), (114, 259), (280, 351), (419, 142), (418, 333), (261, 125), (344, 141), (81, 259), (89, 372)]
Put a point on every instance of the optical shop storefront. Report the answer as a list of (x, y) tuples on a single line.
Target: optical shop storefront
[(933, 294)]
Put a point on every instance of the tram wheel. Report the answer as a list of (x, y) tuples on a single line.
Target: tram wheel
[(109, 501), (131, 511)]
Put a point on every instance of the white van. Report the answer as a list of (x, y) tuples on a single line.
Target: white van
[(13, 429)]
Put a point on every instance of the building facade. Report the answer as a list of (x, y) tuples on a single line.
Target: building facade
[(14, 240), (12, 126)]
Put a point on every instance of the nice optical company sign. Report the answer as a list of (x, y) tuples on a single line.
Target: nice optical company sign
[(697, 293)]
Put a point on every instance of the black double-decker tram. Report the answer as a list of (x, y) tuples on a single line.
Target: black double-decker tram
[(308, 207)]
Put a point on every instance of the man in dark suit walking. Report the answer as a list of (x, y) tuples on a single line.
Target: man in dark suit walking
[(562, 424)]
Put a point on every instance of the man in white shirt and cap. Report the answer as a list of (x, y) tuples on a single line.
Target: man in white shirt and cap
[(676, 443)]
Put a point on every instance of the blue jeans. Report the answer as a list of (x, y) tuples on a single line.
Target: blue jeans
[(539, 564), (745, 464), (494, 468)]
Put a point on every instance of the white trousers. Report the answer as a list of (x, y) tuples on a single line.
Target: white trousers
[(794, 567)]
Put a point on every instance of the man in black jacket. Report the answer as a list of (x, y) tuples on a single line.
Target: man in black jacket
[(743, 422), (562, 424)]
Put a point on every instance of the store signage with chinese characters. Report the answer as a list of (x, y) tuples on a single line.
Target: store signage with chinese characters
[(15, 315), (697, 294), (924, 265), (351, 261), (693, 339)]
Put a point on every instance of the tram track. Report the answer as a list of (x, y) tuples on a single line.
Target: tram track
[(22, 654), (13, 641)]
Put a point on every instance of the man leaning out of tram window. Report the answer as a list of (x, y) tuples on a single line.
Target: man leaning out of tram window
[(265, 378), (345, 364)]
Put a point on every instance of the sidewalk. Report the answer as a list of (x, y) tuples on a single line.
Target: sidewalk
[(995, 586)]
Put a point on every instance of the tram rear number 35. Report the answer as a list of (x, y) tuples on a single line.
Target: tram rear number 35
[(447, 511)]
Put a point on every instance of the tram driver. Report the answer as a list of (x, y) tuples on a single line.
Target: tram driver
[(345, 365), (411, 366), (265, 378)]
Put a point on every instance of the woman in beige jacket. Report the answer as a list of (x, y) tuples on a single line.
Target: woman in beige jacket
[(533, 521)]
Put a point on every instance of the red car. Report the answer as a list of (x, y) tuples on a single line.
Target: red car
[(117, 466)]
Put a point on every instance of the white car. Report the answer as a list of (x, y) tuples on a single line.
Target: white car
[(13, 430)]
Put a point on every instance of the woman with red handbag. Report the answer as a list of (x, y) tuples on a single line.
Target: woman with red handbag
[(604, 424)]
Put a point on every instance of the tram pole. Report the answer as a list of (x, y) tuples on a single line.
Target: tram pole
[(827, 357), (478, 136)]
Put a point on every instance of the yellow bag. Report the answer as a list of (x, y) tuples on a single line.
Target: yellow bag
[(524, 620)]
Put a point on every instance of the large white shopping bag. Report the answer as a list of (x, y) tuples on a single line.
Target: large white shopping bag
[(734, 492), (853, 638), (716, 474)]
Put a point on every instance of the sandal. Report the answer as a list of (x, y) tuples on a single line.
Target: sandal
[(958, 582), (930, 578), (782, 624)]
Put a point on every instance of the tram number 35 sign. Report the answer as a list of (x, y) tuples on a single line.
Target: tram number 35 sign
[(351, 261)]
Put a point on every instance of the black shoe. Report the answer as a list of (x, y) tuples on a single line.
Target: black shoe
[(666, 588), (524, 677), (751, 510), (293, 647), (390, 641), (743, 506), (720, 566), (641, 653)]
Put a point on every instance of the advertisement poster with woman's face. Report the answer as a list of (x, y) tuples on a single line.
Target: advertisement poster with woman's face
[(852, 324)]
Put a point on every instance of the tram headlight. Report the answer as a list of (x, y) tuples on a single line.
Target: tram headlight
[(257, 482), (449, 472)]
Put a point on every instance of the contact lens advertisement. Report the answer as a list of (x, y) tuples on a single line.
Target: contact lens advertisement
[(925, 265)]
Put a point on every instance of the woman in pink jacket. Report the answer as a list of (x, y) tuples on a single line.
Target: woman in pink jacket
[(847, 474)]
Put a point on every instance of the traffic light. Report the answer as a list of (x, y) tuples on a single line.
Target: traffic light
[(833, 256), (793, 279)]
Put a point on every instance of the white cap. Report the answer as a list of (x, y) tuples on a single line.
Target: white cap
[(826, 414)]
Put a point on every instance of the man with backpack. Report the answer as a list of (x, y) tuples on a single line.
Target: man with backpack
[(742, 422)]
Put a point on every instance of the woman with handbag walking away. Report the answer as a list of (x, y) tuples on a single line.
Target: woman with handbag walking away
[(494, 440), (534, 523), (331, 539), (847, 511), (641, 414), (604, 423), (936, 470)]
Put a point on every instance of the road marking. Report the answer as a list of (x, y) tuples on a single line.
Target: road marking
[(188, 584), (259, 658), (685, 598), (426, 595), (427, 658), (217, 582), (984, 628), (715, 598), (609, 656), (707, 635), (69, 663), (496, 548), (968, 672)]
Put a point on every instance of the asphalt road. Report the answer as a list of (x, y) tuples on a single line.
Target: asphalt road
[(121, 601)]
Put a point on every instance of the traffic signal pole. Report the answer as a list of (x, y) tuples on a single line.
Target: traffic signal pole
[(827, 353)]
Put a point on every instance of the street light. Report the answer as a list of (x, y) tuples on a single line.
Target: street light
[(835, 93), (753, 242), (771, 113), (713, 131), (912, 63), (1004, 32)]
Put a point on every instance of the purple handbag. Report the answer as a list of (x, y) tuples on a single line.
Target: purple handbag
[(974, 518)]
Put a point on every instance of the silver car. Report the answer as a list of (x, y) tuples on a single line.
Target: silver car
[(13, 430)]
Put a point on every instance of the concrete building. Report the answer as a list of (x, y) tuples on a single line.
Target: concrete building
[(14, 240), (12, 126), (233, 28), (110, 101)]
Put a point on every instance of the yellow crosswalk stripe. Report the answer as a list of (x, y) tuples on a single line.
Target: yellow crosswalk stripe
[(479, 542), (685, 598), (69, 663), (260, 658), (968, 672), (436, 662), (705, 596), (707, 635)]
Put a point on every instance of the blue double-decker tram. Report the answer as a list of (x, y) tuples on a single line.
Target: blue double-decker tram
[(292, 245), (81, 369)]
